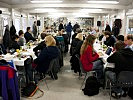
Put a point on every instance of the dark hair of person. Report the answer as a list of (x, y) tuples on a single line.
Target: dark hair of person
[(107, 33), (120, 37), (28, 28), (88, 41), (46, 28), (43, 35), (108, 28), (130, 36), (15, 37), (118, 23), (20, 32), (119, 45)]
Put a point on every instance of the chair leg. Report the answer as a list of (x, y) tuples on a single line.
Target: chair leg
[(52, 75), (46, 84), (80, 74), (110, 90), (83, 81), (20, 87)]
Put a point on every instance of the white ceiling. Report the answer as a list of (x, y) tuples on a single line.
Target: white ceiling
[(14, 2), (67, 6)]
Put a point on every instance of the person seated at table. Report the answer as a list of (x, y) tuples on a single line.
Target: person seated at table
[(110, 40), (28, 35), (15, 44), (89, 57), (41, 45), (75, 41), (46, 55), (78, 30), (120, 37), (128, 40), (123, 60), (21, 38)]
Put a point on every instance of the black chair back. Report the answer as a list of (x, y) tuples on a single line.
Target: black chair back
[(125, 79)]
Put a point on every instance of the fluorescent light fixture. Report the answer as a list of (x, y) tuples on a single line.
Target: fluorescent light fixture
[(46, 1), (90, 10), (80, 14), (56, 14), (45, 10), (104, 2)]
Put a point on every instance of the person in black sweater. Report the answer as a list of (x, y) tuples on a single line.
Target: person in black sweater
[(61, 26), (15, 44), (123, 60), (28, 35), (75, 41), (47, 55), (110, 40), (40, 46)]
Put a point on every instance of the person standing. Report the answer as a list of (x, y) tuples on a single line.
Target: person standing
[(61, 26), (116, 27), (35, 30), (75, 27), (69, 30)]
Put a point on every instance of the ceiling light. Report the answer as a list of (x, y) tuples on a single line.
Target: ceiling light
[(48, 1), (90, 10), (45, 10), (104, 2)]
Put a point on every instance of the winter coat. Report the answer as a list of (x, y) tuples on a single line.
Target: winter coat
[(122, 59), (69, 28), (46, 55), (73, 45), (7, 39)]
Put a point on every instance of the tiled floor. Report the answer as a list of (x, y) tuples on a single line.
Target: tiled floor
[(67, 87)]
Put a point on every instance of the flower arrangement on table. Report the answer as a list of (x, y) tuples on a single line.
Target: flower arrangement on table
[(29, 44), (18, 53)]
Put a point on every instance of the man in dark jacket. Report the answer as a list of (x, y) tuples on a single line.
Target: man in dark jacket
[(40, 46), (123, 60), (35, 29), (75, 27), (61, 26), (28, 35), (69, 30)]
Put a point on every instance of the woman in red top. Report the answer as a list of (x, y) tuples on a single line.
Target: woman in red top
[(88, 54)]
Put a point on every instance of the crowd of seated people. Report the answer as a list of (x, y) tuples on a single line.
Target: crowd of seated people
[(53, 47)]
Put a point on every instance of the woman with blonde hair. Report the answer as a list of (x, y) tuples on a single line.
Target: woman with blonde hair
[(49, 53), (89, 57), (75, 42)]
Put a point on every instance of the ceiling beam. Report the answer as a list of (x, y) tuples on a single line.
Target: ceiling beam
[(4, 5), (71, 11), (70, 5)]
